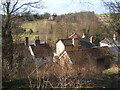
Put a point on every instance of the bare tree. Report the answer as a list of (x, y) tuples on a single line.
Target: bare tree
[(10, 8), (113, 6)]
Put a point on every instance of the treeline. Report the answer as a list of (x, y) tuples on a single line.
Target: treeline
[(28, 16), (62, 25)]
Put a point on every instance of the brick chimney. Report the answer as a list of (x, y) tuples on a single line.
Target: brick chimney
[(26, 41), (91, 39), (37, 41), (75, 42)]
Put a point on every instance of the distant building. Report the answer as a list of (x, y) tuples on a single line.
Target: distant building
[(74, 42), (78, 51), (113, 44), (99, 57), (51, 18)]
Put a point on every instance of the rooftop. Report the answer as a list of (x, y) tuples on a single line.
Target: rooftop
[(42, 50), (84, 55), (81, 41), (109, 41)]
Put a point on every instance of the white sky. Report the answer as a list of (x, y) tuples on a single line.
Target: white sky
[(71, 6)]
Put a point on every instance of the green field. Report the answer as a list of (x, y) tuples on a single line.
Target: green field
[(21, 38), (38, 25)]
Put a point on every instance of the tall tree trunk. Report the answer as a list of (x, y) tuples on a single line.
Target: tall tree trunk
[(7, 41)]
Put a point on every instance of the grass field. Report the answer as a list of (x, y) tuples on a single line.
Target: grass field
[(21, 38), (39, 25)]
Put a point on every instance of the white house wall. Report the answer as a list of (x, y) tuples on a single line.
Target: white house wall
[(31, 52), (60, 47)]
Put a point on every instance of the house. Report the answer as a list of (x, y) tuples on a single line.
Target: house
[(51, 18), (101, 57), (113, 44), (79, 52), (74, 42), (109, 42), (40, 52)]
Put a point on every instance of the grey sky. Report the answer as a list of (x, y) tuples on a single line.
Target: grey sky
[(70, 6)]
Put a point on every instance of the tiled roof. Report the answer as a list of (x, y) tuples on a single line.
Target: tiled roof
[(82, 42), (21, 50), (83, 55), (42, 50), (109, 41)]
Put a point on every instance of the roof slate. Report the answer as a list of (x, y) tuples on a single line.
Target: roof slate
[(82, 42), (42, 50), (83, 55), (109, 41)]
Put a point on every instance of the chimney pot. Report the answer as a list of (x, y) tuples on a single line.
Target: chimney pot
[(83, 36), (37, 41), (26, 41)]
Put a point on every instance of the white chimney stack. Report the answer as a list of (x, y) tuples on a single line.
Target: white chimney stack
[(114, 37), (75, 42), (91, 39), (83, 36)]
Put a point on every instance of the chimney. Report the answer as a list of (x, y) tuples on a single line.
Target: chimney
[(75, 42), (26, 41), (83, 36), (91, 39), (37, 41), (114, 37)]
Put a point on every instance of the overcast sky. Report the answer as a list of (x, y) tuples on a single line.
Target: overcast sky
[(71, 6)]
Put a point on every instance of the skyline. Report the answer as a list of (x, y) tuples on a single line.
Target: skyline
[(69, 6), (72, 6)]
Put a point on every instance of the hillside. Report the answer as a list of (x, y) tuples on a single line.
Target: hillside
[(51, 31)]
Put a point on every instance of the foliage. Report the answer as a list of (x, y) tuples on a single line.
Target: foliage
[(50, 30), (114, 12), (10, 7)]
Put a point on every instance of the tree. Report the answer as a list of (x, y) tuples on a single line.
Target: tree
[(46, 15), (10, 8), (113, 7)]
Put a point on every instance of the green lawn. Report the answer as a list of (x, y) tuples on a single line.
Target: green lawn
[(21, 38)]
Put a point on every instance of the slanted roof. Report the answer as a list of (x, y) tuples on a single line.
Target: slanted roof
[(21, 51), (42, 50), (81, 41), (109, 41), (89, 54), (73, 35)]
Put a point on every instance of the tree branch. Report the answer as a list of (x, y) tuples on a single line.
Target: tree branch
[(30, 3), (14, 6)]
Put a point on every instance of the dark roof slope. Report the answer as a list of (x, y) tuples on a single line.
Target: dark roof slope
[(83, 55), (82, 42), (109, 41), (42, 50)]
